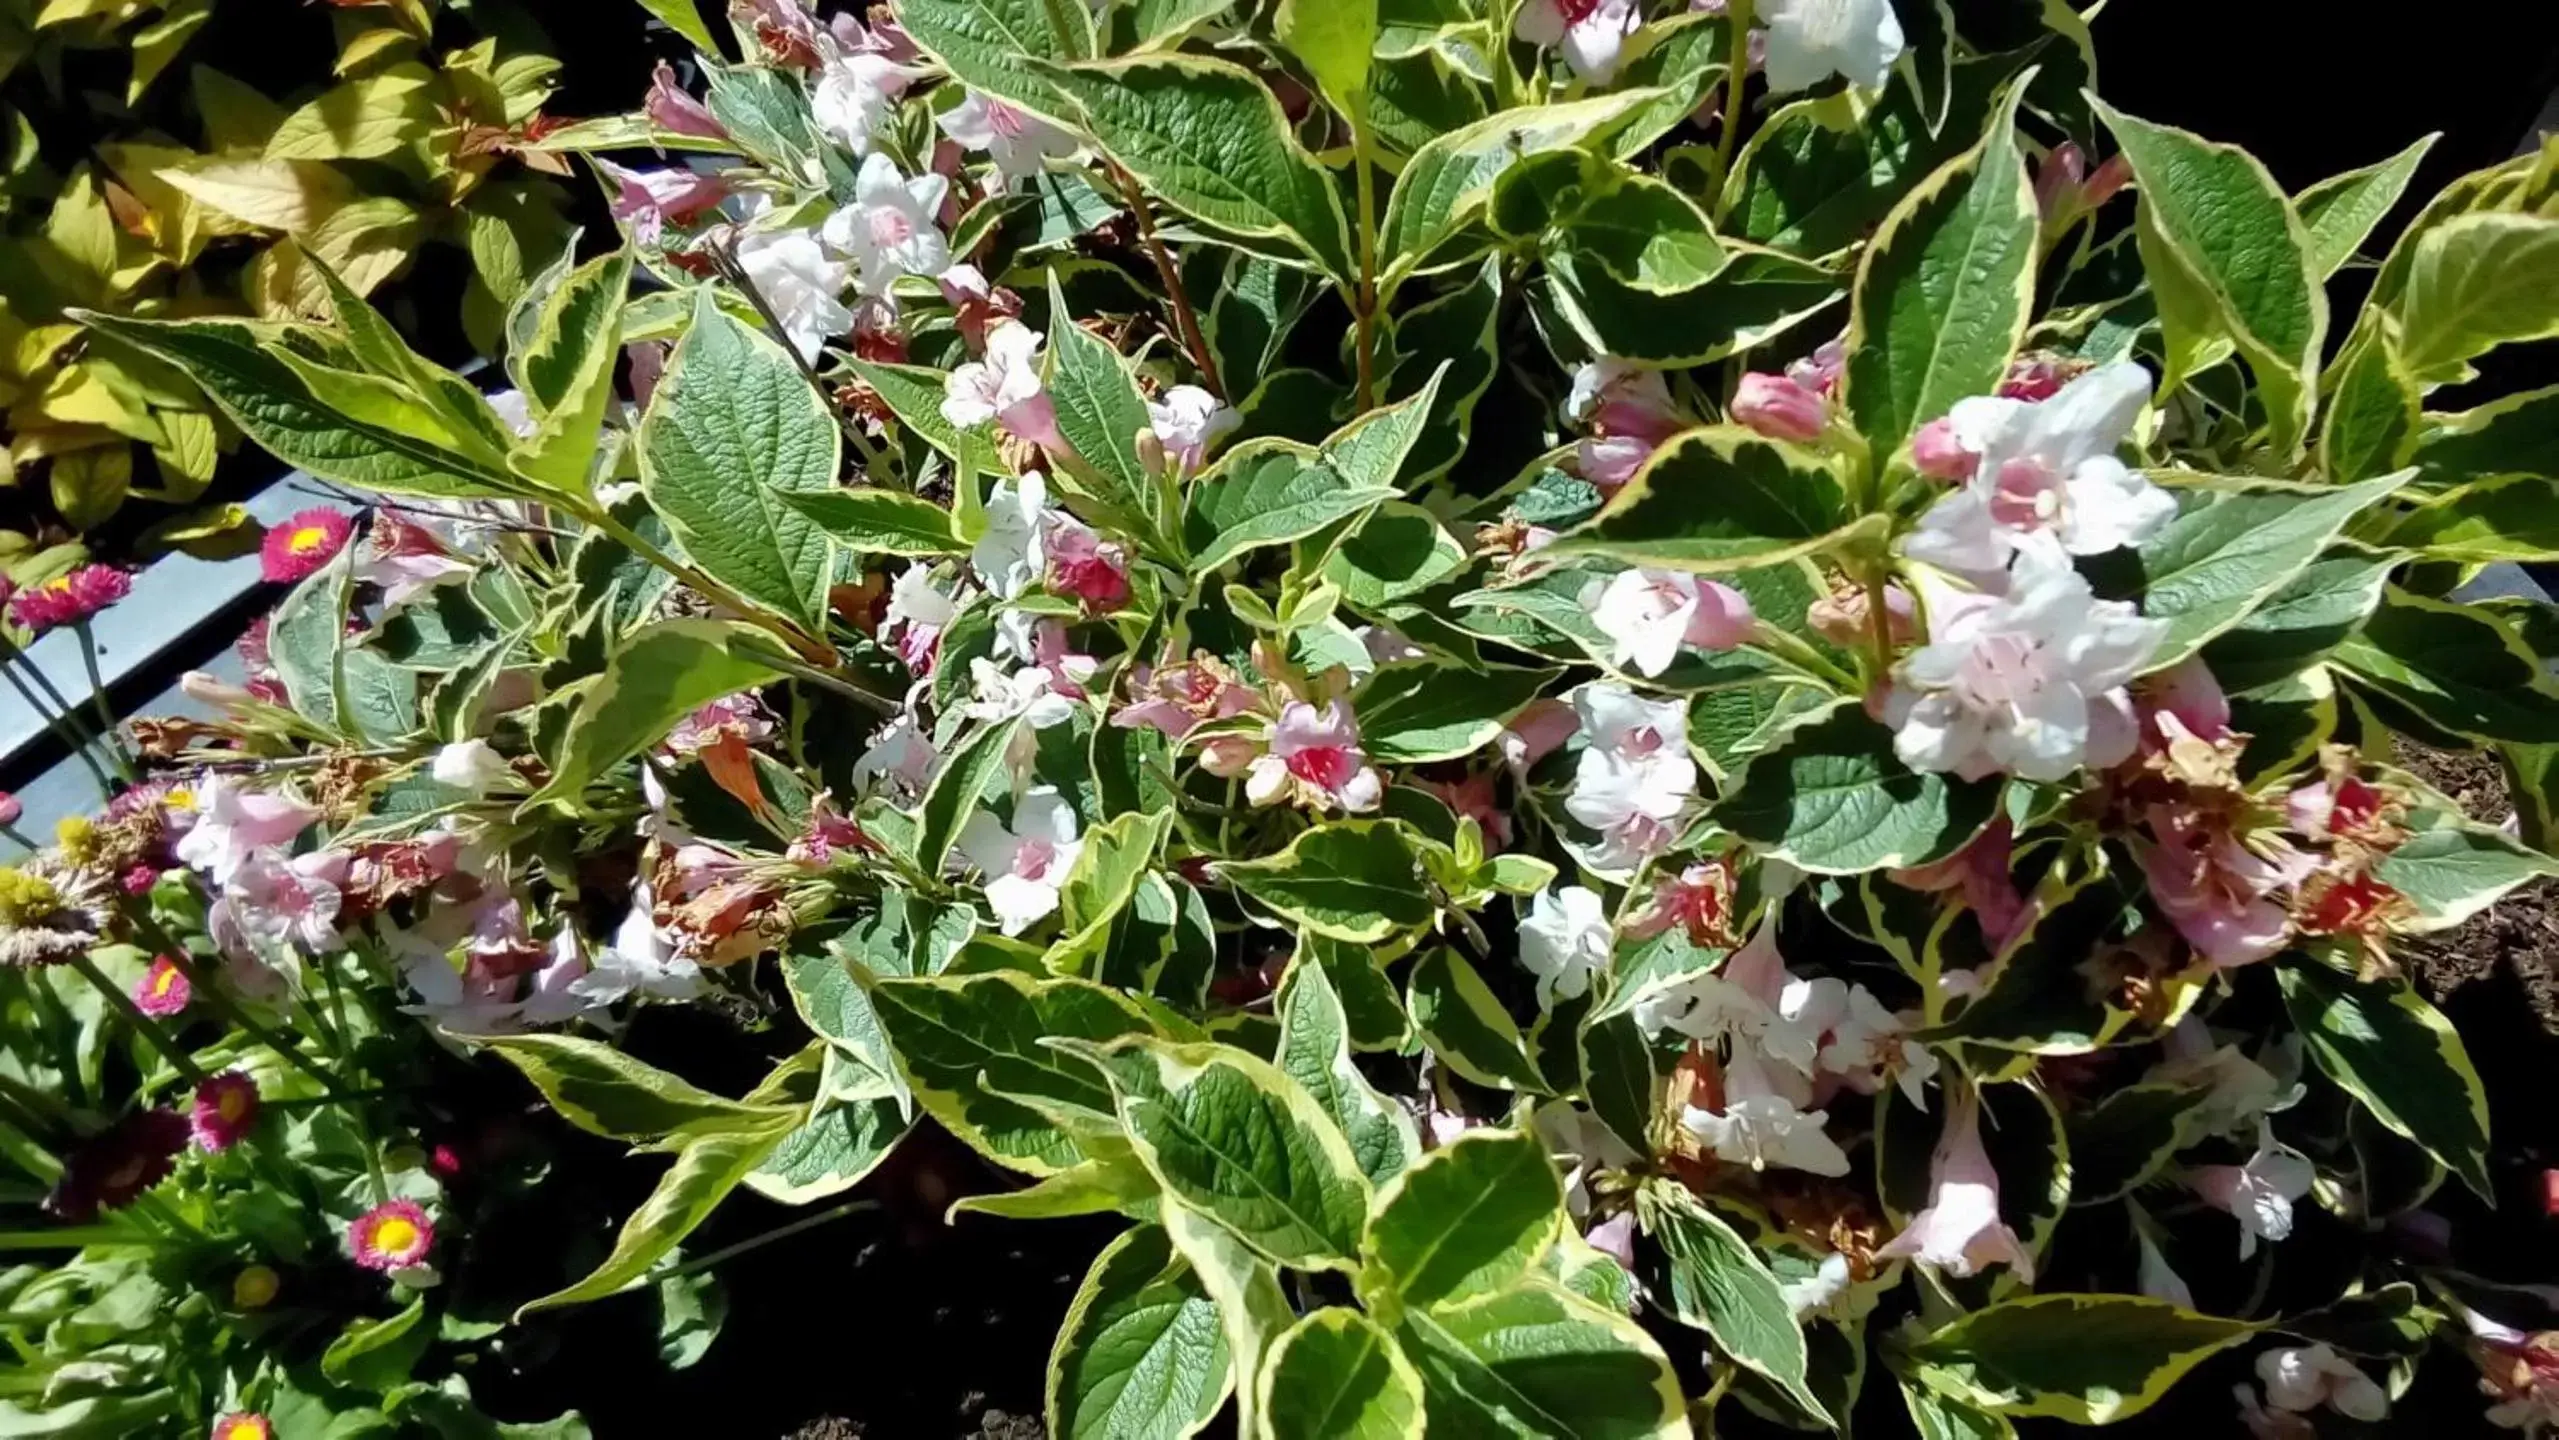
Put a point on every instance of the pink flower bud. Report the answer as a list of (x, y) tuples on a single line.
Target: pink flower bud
[(2057, 180), (1723, 620), (1227, 756), (672, 110), (2103, 186), (1939, 455), (1779, 408)]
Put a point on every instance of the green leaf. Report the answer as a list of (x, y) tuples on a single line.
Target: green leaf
[(1250, 1302), (872, 521), (2225, 555), (2340, 211), (1681, 57), (1371, 1008), (1944, 291), (378, 1354), (2518, 435), (995, 45), (1832, 798), (2127, 1137), (2372, 410), (1716, 500), (1540, 1361), (1108, 869), (1397, 553), (684, 17), (1466, 1027), (1208, 139), (2455, 668), (1720, 1285), (659, 675), (732, 428), (1358, 881), (1648, 235), (2384, 1045), (2084, 1359), (604, 1092), (704, 1173), (1233, 1138), (2214, 220), (244, 370), (972, 1049), (1619, 1077), (2478, 282), (1336, 40), (1757, 296), (957, 791), (1446, 183), (1438, 710), (1336, 1375), (838, 1145), (2453, 872), (1268, 492), (568, 372), (2507, 517), (1935, 1417), (1141, 1354), (1475, 1216), (1315, 1051), (1099, 409)]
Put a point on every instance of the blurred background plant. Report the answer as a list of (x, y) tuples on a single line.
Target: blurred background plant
[(152, 155)]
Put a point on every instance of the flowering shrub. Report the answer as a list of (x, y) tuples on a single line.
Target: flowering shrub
[(1612, 742)]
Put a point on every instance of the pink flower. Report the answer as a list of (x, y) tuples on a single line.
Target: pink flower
[(403, 557), (394, 1235), (2059, 177), (1699, 900), (828, 831), (1315, 760), (2187, 693), (1536, 732), (1960, 1233), (1938, 450), (1981, 868), (69, 598), (649, 200), (2259, 1194), (163, 989), (740, 715), (1178, 698), (2037, 376), (1819, 372), (670, 109), (1648, 615), (226, 1108), (1083, 565), (300, 546), (233, 821), (2215, 889), (1779, 408), (10, 809)]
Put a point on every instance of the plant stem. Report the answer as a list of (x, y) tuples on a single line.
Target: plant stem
[(355, 1113), (149, 1028), (163, 943), (1185, 319), (836, 683), (1736, 79), (757, 1242), (1365, 304), (1879, 622), (73, 738), (108, 735)]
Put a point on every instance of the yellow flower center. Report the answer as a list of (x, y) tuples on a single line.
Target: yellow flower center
[(180, 798), (163, 980), (26, 899), (253, 1289), (78, 836), (232, 1105), (306, 540), (395, 1236)]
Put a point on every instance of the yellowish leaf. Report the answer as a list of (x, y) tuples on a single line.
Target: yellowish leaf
[(78, 248), (158, 43), (289, 195), (90, 485), (367, 48), (236, 116), (67, 12), (188, 455), (362, 119)]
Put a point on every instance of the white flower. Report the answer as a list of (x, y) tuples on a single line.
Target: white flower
[(1867, 1042), (1019, 142), (1025, 864), (1620, 722), (1010, 556), (1590, 32), (1633, 804), (453, 999), (1188, 420), (1564, 942), (2045, 468), (1809, 40), (472, 765), (233, 821), (2301, 1380), (275, 902), (2259, 1194), (916, 599), (892, 228), (800, 282), (1648, 615), (553, 999), (983, 390), (901, 754), (1960, 1232), (515, 411), (2030, 683), (853, 96), (2240, 1089), (1044, 692), (640, 961), (1575, 1135), (1314, 760), (1762, 1127), (1817, 1292)]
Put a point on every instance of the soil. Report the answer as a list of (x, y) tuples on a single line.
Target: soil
[(2511, 946)]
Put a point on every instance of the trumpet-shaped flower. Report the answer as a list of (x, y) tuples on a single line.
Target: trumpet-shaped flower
[(1564, 942), (1187, 421), (1811, 40), (1960, 1232), (1762, 1126), (1314, 760), (1006, 386), (892, 228), (1020, 143), (1648, 615), (1591, 33), (1012, 555), (1026, 862), (801, 283), (2258, 1194)]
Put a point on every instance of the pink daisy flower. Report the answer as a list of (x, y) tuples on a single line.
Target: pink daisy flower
[(226, 1107), (243, 1425), (300, 546), (163, 989), (69, 598), (393, 1235)]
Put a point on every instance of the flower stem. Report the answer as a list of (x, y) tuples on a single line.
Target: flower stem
[(149, 1028), (108, 734), (355, 1113), (73, 738), (1185, 319), (1736, 79), (231, 1011), (1365, 304), (757, 1242)]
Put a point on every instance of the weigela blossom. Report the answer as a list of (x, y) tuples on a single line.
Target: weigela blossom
[(1177, 699), (1629, 414), (68, 598), (394, 1235), (1006, 386), (1564, 941), (919, 610), (853, 96), (1698, 900), (2258, 1194), (1083, 565), (233, 821), (402, 556), (892, 227), (1960, 1232), (163, 989), (671, 109), (225, 1110), (739, 717), (1023, 863), (1811, 40), (1591, 33), (1045, 692), (1187, 422), (300, 546), (647, 201), (2045, 469), (1012, 554), (1634, 777), (1762, 1124), (1779, 408), (642, 960), (900, 754), (473, 765), (2028, 683), (801, 283), (2302, 1379), (1021, 144), (1648, 615), (1313, 759)]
